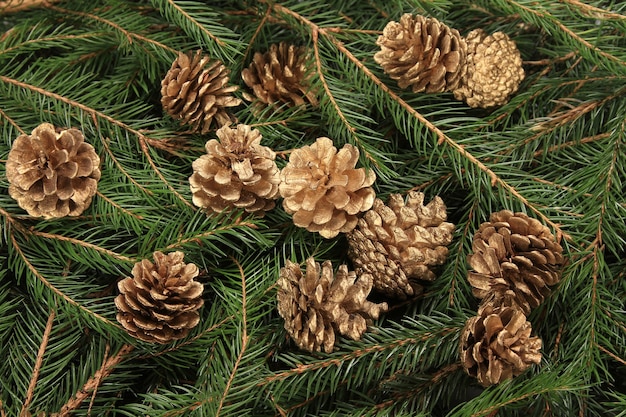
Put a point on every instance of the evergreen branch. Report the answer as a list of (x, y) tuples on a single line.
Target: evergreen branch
[(197, 238), (118, 207), (51, 39), (265, 18), (105, 143), (611, 354), (98, 380), (576, 142), (592, 11), (12, 122), (196, 23)]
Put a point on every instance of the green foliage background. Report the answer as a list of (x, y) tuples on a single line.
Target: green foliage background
[(555, 151)]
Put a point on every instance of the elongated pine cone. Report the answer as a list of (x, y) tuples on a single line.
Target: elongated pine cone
[(400, 243), (422, 53), (236, 172), (323, 190), (318, 304), (52, 174), (279, 76), (496, 345), (494, 70), (160, 302), (196, 95), (515, 259)]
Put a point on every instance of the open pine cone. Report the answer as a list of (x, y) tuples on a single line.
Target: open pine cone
[(52, 174), (422, 53), (399, 243), (196, 95), (317, 304), (323, 190), (160, 302), (236, 172)]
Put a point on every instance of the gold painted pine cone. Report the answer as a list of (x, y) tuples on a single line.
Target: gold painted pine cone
[(237, 172), (52, 174), (515, 259), (399, 243), (496, 345), (160, 302), (196, 92), (323, 190), (317, 304), (422, 53)]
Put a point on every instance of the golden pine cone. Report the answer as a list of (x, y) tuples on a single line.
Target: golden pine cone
[(323, 190), (496, 345), (317, 304), (236, 172), (196, 95), (515, 259), (494, 70), (160, 302), (399, 243), (53, 174), (280, 75), (422, 53)]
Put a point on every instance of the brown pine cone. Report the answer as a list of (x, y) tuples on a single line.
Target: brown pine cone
[(236, 172), (422, 53), (494, 70), (196, 95), (399, 243), (52, 174), (515, 259), (323, 190), (317, 304), (160, 302)]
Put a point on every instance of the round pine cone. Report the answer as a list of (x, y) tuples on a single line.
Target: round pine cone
[(515, 259), (317, 304), (236, 172), (399, 243), (52, 174), (494, 70), (496, 345), (159, 302), (422, 53), (196, 95), (323, 190), (280, 76)]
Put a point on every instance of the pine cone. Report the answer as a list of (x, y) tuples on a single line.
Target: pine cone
[(318, 304), (236, 172), (496, 345), (323, 190), (515, 259), (52, 174), (196, 95), (280, 76), (159, 302), (422, 53), (494, 70), (398, 244)]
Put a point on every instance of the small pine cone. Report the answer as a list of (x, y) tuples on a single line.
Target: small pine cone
[(494, 70), (280, 75), (196, 95), (496, 345), (399, 243), (317, 304), (52, 174), (237, 172), (422, 53), (515, 259), (160, 302), (323, 190)]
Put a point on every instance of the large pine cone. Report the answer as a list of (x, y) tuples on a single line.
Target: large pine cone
[(317, 304), (494, 70), (323, 190), (53, 174), (515, 259), (196, 95), (400, 243), (236, 172), (496, 345), (280, 75), (422, 53)]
